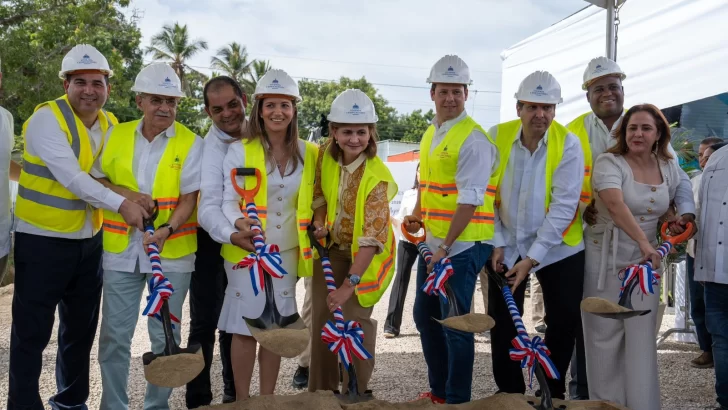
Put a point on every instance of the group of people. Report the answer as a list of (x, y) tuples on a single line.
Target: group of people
[(511, 199)]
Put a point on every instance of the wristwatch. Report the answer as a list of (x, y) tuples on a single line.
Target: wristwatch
[(534, 262), (445, 248), (168, 226), (354, 279)]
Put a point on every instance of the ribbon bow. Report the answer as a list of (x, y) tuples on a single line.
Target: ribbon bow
[(345, 338), (435, 282), (527, 351), (266, 258), (160, 288), (647, 276)]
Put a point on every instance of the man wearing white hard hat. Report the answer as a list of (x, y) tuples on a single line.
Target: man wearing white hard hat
[(458, 176), (58, 242), (352, 192), (538, 228), (155, 159)]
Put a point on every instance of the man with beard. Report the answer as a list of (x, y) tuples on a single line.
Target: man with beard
[(538, 228), (605, 93), (225, 105)]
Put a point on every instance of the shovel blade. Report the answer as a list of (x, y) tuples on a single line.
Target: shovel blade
[(623, 315), (173, 370)]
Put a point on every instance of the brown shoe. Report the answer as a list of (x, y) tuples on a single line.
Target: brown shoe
[(704, 361)]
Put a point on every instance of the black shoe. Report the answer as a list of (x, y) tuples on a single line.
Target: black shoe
[(541, 328), (368, 395), (227, 398), (300, 379)]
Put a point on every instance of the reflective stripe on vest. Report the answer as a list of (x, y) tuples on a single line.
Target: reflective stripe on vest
[(578, 128), (439, 192), (255, 158), (557, 133), (378, 275), (42, 201), (117, 166)]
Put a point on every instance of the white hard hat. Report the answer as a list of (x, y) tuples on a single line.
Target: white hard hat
[(539, 87), (601, 67), (450, 69), (84, 57), (277, 82), (158, 79), (353, 107)]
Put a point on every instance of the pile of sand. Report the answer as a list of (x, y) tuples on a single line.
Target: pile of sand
[(599, 305), (471, 322), (175, 370), (283, 342), (320, 401), (579, 405)]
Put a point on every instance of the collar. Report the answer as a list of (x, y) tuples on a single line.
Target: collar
[(543, 141), (169, 132), (220, 134), (354, 165), (598, 121), (449, 123)]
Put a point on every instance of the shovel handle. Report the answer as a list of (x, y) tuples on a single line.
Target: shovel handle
[(170, 345), (410, 237), (679, 238), (546, 401), (322, 249), (152, 217), (247, 194)]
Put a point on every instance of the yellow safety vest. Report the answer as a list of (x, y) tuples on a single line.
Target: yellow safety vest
[(507, 134), (44, 202), (116, 164), (255, 158), (438, 191), (578, 128), (376, 278)]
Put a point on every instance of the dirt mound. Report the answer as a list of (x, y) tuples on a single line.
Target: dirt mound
[(319, 401)]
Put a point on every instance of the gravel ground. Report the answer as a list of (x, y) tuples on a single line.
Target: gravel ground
[(400, 373)]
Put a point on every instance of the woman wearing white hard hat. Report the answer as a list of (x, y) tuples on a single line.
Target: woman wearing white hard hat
[(287, 167), (351, 202)]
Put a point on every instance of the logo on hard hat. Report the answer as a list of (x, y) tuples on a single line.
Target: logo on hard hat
[(450, 72), (598, 69), (355, 110), (86, 60), (274, 85), (167, 83), (538, 91)]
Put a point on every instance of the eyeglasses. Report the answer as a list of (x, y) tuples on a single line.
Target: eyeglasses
[(157, 102)]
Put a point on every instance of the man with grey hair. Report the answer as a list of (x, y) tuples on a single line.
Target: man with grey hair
[(9, 170)]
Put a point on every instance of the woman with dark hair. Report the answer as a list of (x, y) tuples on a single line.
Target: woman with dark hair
[(406, 256), (634, 183)]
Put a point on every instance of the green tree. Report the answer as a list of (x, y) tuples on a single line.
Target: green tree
[(173, 44), (318, 96), (36, 34), (190, 111), (258, 68), (414, 124), (232, 60)]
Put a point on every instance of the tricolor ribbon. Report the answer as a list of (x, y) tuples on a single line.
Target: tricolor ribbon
[(645, 273), (435, 282), (525, 350), (160, 288), (343, 337), (266, 258)]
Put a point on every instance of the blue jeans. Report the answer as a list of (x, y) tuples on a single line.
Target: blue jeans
[(697, 307), (716, 317), (449, 353)]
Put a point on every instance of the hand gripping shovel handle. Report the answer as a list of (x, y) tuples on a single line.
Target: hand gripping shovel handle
[(248, 195), (340, 327)]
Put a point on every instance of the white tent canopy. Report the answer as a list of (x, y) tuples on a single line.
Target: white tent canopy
[(673, 52)]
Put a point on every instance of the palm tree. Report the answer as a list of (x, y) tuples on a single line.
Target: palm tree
[(257, 69), (173, 44), (232, 60)]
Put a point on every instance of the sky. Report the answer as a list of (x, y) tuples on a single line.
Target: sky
[(392, 43)]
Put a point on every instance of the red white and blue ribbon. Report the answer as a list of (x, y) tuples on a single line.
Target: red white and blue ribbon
[(160, 288), (525, 350), (644, 272), (441, 272), (344, 338), (266, 258)]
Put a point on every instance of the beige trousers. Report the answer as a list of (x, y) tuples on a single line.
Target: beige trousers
[(537, 302), (305, 358), (324, 369)]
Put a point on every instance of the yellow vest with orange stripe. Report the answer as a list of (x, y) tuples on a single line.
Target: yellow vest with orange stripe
[(116, 164), (578, 128), (255, 158), (506, 136), (43, 201), (438, 191), (379, 273)]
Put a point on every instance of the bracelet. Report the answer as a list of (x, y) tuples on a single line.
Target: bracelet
[(168, 226)]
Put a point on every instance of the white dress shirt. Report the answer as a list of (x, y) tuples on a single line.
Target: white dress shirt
[(695, 181), (6, 147), (209, 210), (523, 226), (601, 139), (281, 224), (712, 238), (147, 156), (477, 160), (45, 139)]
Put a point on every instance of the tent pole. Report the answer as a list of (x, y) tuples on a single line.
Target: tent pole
[(611, 40)]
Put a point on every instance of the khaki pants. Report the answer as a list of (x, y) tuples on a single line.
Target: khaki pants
[(305, 358), (537, 302), (324, 370), (3, 270)]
